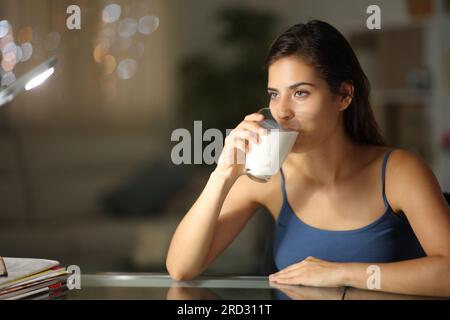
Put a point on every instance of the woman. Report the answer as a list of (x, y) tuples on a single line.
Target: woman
[(342, 201)]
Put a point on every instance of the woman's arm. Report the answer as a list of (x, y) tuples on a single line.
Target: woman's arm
[(428, 276), (412, 188), (221, 211), (215, 219)]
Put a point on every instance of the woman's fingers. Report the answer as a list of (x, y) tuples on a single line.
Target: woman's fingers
[(293, 267), (292, 271), (252, 126), (243, 134), (290, 281), (289, 268), (289, 274), (254, 117), (240, 133), (248, 130), (239, 141)]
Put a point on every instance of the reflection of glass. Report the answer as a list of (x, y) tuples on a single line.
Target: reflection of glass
[(265, 158)]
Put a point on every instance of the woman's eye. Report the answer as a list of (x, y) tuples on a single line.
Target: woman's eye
[(301, 94), (272, 95)]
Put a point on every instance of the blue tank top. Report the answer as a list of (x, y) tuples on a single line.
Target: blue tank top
[(389, 238)]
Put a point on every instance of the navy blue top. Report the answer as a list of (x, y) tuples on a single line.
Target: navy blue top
[(389, 238)]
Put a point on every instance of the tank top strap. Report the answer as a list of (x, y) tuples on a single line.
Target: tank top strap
[(284, 216), (383, 177), (283, 185)]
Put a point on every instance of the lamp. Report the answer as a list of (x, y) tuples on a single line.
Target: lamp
[(29, 80)]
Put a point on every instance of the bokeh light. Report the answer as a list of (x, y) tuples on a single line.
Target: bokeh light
[(126, 69), (19, 53), (100, 51), (109, 64), (6, 40), (9, 49), (13, 52), (4, 28), (25, 35), (120, 38), (148, 24), (8, 65), (9, 56), (8, 78), (111, 13), (127, 27), (27, 51)]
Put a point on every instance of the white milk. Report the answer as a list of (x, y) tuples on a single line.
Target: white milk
[(265, 159)]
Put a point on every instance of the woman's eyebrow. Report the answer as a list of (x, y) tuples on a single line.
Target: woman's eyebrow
[(293, 86)]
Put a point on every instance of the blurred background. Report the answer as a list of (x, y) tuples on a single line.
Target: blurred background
[(86, 176)]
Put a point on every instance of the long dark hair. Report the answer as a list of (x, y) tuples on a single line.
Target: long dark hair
[(326, 49)]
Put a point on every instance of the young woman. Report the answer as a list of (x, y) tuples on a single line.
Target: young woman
[(342, 202)]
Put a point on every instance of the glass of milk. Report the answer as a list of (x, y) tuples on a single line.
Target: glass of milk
[(265, 159)]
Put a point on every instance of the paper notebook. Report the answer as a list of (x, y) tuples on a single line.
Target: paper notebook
[(19, 268)]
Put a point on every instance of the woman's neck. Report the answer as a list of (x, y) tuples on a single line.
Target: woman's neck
[(333, 159)]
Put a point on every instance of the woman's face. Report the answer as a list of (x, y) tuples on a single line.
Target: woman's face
[(301, 100)]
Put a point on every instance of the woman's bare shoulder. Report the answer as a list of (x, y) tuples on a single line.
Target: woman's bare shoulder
[(405, 170), (397, 156)]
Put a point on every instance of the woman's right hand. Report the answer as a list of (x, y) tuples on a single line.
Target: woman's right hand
[(231, 162)]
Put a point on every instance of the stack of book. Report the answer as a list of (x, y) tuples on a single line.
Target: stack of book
[(32, 279)]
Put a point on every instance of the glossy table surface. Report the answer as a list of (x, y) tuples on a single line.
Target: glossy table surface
[(162, 287)]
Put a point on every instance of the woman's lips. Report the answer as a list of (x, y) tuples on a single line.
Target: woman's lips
[(291, 128)]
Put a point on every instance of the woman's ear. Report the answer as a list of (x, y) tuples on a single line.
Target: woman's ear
[(347, 92)]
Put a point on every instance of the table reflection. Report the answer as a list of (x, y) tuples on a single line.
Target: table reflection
[(177, 292), (277, 292), (295, 292), (161, 286)]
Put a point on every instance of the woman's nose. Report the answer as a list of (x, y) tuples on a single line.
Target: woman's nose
[(284, 114)]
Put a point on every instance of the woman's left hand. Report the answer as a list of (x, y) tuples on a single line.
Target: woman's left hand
[(311, 272)]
